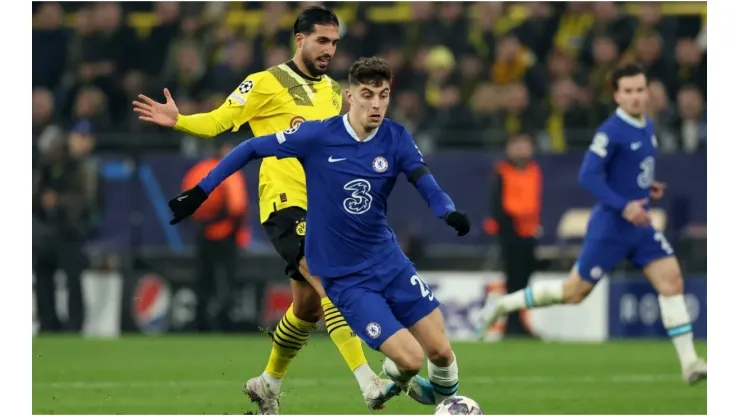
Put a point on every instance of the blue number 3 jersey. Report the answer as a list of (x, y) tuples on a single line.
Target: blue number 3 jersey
[(348, 183)]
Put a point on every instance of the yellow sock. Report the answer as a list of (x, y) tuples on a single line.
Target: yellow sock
[(345, 339), (289, 336)]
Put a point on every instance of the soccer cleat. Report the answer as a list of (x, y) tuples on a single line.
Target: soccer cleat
[(490, 313), (418, 388), (379, 392), (259, 392), (695, 371)]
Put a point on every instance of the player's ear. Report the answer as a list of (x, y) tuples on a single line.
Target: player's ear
[(299, 38), (348, 95)]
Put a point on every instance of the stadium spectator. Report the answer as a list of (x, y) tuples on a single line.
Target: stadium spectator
[(663, 114), (691, 67), (566, 119), (67, 206), (691, 124), (49, 40)]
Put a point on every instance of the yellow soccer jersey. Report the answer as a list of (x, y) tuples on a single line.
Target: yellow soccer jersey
[(271, 101)]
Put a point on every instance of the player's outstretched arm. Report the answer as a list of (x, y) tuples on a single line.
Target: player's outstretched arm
[(234, 112), (593, 171), (289, 143), (413, 166), (167, 114)]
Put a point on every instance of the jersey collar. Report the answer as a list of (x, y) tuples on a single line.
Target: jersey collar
[(293, 67), (630, 120), (351, 131)]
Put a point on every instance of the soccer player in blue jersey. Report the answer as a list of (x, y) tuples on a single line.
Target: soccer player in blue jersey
[(619, 169), (351, 164)]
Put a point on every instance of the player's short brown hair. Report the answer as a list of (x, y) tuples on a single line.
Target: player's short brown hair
[(627, 70), (370, 71)]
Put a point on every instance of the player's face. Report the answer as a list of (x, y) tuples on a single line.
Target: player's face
[(632, 95), (369, 102), (318, 48)]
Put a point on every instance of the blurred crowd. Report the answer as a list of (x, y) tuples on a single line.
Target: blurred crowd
[(466, 74)]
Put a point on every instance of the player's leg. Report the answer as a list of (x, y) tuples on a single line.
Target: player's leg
[(595, 260), (370, 317), (288, 338), (292, 331), (347, 342), (415, 306), (655, 256)]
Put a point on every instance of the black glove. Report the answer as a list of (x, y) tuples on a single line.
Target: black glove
[(185, 204), (458, 221)]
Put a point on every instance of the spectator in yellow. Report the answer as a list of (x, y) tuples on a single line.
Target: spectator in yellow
[(440, 66)]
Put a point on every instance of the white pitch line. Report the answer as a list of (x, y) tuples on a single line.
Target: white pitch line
[(94, 385)]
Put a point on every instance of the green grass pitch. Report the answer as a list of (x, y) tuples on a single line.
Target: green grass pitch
[(205, 374)]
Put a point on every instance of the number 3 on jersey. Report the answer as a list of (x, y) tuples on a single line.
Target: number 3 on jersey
[(425, 292), (360, 200)]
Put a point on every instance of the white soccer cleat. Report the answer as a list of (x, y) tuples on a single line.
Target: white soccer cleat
[(490, 313), (259, 392), (695, 371), (379, 392)]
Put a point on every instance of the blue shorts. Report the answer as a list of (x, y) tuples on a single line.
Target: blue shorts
[(641, 246), (378, 303)]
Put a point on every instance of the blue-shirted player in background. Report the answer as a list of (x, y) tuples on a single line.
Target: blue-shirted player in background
[(619, 170), (352, 163)]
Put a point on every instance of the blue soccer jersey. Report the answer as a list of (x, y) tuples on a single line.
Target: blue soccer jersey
[(349, 243), (619, 167)]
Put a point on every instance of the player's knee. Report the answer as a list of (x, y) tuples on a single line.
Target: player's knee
[(307, 305), (670, 285), (441, 354), (411, 361), (575, 289), (665, 275)]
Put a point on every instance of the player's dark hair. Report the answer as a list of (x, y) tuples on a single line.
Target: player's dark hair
[(370, 71), (315, 15), (624, 71)]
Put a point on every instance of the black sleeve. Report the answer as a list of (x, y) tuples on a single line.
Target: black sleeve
[(503, 219)]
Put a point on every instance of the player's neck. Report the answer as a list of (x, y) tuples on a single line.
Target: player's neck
[(357, 127), (638, 120), (297, 65)]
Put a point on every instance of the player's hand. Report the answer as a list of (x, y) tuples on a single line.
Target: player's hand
[(458, 221), (635, 213), (161, 114), (185, 204), (657, 189)]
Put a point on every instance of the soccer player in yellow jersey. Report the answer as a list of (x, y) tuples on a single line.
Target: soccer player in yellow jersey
[(273, 100)]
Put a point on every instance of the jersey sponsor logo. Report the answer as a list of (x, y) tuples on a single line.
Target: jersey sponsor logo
[(373, 330), (647, 173), (296, 121), (635, 145), (361, 200), (333, 160), (599, 144), (246, 86), (300, 228), (380, 164)]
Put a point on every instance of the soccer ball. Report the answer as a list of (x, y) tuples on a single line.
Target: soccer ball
[(458, 405)]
